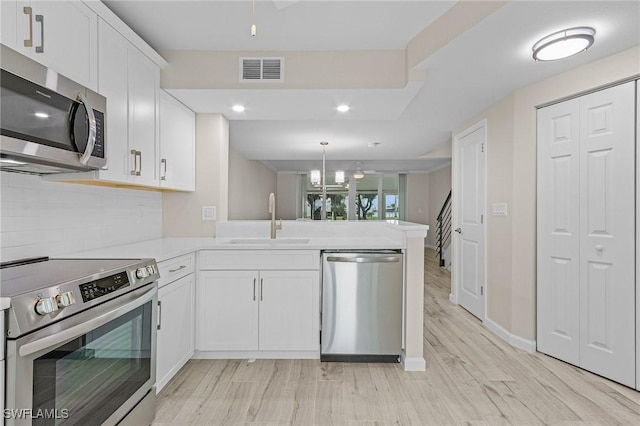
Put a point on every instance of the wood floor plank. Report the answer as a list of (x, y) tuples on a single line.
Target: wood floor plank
[(472, 378)]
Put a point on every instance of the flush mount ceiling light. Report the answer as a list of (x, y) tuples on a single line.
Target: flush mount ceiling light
[(563, 44), (238, 108), (373, 145), (343, 108)]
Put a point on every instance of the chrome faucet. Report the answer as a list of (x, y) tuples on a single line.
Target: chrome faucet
[(272, 210)]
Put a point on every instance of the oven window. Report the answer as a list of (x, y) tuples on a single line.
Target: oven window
[(86, 380)]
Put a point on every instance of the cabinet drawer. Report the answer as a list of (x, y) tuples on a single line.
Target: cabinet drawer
[(177, 267), (259, 259)]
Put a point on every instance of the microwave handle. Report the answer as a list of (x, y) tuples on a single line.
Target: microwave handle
[(76, 331), (91, 140)]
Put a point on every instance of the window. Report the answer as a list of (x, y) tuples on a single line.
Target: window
[(358, 199)]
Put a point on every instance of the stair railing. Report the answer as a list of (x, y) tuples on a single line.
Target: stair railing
[(443, 228)]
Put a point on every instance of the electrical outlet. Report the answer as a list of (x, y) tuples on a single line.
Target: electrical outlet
[(208, 213)]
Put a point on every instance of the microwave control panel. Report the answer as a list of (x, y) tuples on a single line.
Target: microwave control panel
[(104, 286)]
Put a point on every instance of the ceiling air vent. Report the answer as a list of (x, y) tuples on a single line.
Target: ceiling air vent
[(261, 70)]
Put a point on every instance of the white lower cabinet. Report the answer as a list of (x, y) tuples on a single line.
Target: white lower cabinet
[(257, 310), (176, 328)]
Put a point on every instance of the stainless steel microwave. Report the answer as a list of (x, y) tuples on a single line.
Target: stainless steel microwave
[(49, 124)]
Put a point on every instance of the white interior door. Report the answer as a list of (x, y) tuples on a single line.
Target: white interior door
[(607, 225), (558, 315), (469, 225)]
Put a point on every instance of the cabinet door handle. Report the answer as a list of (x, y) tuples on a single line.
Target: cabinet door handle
[(261, 289), (159, 314), (254, 289), (40, 18), (177, 269), (164, 173), (137, 167), (27, 10), (135, 162)]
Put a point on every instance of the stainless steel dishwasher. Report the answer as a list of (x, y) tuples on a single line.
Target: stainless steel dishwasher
[(362, 306)]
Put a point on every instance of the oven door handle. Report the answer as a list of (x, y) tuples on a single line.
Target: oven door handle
[(84, 328)]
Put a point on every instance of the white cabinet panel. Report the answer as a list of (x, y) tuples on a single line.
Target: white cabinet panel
[(586, 232), (607, 243), (289, 310), (144, 78), (176, 328), (228, 311), (259, 259), (558, 234), (9, 19), (64, 38), (177, 145), (113, 84)]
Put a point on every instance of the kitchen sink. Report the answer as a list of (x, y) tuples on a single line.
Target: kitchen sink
[(269, 241)]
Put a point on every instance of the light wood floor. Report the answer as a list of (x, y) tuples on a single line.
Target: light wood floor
[(472, 378)]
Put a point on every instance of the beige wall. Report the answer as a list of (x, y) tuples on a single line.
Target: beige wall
[(182, 212), (250, 183), (302, 70), (439, 187), (417, 202), (287, 196), (511, 151)]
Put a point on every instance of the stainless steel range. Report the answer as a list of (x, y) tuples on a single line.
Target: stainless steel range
[(81, 341)]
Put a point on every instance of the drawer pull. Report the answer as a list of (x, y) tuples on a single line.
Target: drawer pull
[(177, 269)]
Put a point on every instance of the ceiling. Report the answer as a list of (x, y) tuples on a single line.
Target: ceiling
[(475, 69)]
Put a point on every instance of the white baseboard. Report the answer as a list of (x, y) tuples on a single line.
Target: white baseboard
[(453, 299), (512, 339), (413, 363), (257, 355)]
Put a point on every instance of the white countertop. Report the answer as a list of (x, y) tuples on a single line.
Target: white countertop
[(167, 248)]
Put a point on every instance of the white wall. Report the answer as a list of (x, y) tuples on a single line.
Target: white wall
[(250, 183), (511, 178), (40, 218), (182, 211)]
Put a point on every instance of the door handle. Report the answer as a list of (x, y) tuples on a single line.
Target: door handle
[(163, 162), (40, 18), (458, 230), (254, 289), (159, 314), (137, 168), (261, 289), (27, 10)]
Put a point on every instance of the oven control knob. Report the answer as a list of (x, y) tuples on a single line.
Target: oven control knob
[(142, 273), (46, 305), (151, 269), (65, 299)]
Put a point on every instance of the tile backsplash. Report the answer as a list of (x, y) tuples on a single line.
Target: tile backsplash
[(41, 218)]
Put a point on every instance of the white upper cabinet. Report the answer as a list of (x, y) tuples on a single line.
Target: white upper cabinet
[(61, 35), (130, 82), (113, 84), (177, 145), (144, 84)]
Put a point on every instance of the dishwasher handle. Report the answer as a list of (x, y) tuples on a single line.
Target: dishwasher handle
[(364, 258)]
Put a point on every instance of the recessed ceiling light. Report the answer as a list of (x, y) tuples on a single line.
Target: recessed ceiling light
[(563, 44), (343, 108), (238, 108)]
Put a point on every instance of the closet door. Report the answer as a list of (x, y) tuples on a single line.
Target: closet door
[(558, 318), (607, 241)]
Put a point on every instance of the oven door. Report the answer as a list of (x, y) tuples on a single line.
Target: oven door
[(89, 369)]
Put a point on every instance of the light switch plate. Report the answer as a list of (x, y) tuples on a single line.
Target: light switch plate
[(208, 213), (499, 209)]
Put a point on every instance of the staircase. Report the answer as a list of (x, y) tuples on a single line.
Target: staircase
[(443, 228)]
